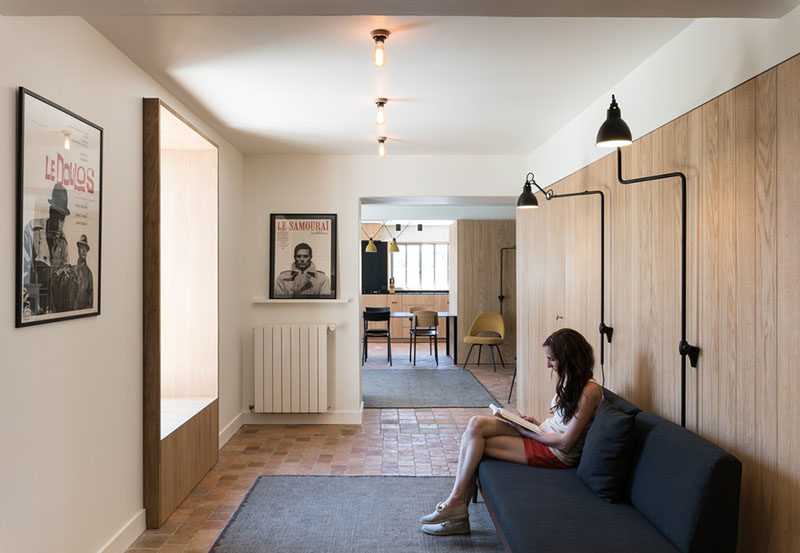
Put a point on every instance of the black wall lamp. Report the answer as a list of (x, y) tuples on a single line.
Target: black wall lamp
[(528, 200), (614, 133)]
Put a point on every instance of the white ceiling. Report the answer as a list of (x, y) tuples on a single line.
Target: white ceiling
[(507, 8), (456, 85)]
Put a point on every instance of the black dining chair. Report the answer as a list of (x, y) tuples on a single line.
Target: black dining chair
[(376, 315)]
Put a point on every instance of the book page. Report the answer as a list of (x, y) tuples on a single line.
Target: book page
[(514, 419)]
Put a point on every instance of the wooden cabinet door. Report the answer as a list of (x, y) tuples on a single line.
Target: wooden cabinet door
[(396, 325), (442, 303)]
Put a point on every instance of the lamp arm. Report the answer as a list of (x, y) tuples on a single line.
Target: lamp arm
[(383, 225), (684, 348), (605, 330), (529, 180), (401, 232), (501, 297)]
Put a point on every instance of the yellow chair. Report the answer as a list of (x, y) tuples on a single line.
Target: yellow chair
[(486, 323)]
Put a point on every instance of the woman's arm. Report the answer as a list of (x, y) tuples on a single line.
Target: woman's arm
[(532, 419), (587, 404)]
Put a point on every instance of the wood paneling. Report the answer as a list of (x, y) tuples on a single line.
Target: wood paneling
[(189, 208), (477, 285), (186, 456), (788, 321), (151, 356), (740, 155)]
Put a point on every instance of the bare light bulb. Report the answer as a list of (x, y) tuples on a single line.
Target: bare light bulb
[(380, 116), (379, 55), (382, 146)]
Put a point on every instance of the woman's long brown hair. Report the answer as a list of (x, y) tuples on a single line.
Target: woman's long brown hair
[(575, 368)]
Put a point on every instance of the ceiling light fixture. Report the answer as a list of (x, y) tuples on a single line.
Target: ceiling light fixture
[(393, 247), (379, 55), (380, 116), (371, 247), (67, 143), (381, 146)]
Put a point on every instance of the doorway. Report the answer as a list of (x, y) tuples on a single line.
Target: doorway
[(435, 254)]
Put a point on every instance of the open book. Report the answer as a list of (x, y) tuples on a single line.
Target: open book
[(522, 426)]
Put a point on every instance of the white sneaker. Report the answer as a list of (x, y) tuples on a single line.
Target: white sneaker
[(443, 514), (449, 528)]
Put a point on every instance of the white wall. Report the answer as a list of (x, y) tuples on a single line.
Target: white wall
[(71, 392), (385, 212), (334, 184), (709, 57)]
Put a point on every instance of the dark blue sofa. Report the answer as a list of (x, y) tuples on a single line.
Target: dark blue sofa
[(682, 495)]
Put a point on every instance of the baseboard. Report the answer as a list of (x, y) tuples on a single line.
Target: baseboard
[(331, 417), (229, 430), (127, 534)]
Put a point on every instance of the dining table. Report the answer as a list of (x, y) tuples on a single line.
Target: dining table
[(450, 319)]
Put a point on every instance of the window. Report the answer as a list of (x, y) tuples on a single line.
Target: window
[(421, 267)]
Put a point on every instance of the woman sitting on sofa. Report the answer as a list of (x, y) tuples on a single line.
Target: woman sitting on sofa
[(577, 396)]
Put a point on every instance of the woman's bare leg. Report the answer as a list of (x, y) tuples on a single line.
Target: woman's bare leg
[(484, 435)]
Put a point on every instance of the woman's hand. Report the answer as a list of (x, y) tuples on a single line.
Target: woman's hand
[(531, 419)]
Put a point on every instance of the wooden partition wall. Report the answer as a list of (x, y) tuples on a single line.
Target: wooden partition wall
[(741, 155), (476, 266)]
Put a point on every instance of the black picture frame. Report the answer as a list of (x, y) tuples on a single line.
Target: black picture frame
[(59, 213), (288, 233)]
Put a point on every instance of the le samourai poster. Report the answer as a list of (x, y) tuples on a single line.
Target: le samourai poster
[(302, 263), (59, 212)]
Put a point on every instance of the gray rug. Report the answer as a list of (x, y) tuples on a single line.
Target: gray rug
[(422, 388), (344, 514)]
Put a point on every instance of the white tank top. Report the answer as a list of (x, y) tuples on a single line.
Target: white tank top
[(556, 425)]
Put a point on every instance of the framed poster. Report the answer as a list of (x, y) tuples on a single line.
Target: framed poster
[(302, 259), (59, 212)]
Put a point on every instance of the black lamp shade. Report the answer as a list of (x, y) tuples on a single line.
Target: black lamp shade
[(614, 132), (527, 199)]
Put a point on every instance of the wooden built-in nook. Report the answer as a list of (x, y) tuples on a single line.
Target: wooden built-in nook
[(181, 357)]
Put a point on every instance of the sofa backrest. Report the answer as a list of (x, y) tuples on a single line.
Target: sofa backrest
[(686, 486), (619, 403)]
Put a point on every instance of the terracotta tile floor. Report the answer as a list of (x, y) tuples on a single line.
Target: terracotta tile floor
[(414, 442)]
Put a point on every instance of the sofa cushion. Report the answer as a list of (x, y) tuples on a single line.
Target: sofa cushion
[(541, 510), (607, 453), (619, 403), (686, 486)]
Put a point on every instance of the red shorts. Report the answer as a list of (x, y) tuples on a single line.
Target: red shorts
[(539, 455)]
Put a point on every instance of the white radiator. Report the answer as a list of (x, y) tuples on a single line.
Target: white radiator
[(291, 368)]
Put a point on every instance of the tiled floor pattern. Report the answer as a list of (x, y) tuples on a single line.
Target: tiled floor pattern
[(421, 442)]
